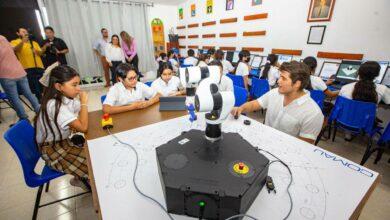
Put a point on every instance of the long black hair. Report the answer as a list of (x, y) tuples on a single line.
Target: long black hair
[(60, 74), (242, 54), (311, 62), (365, 89), (272, 59)]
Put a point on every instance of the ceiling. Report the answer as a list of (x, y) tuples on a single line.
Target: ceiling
[(165, 2)]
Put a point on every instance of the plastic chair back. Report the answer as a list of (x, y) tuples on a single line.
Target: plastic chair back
[(240, 95), (318, 96), (237, 80), (259, 87)]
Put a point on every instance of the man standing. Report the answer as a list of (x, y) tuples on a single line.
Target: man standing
[(99, 47), (54, 48), (29, 54), (13, 79)]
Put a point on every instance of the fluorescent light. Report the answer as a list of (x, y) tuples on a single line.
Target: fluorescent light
[(38, 14), (45, 18)]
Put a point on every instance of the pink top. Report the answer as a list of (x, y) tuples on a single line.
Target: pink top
[(10, 67), (129, 52)]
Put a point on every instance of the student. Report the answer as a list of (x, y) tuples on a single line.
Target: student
[(316, 82), (211, 54), (225, 83), (203, 60), (114, 56), (162, 57), (271, 70), (173, 60), (61, 113), (243, 68), (128, 94), (365, 89), (289, 107), (227, 66), (190, 60), (167, 84)]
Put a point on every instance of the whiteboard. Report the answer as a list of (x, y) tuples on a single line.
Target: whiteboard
[(325, 186)]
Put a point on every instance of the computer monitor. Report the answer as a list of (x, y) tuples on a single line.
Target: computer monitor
[(384, 65), (284, 58), (256, 62), (251, 58), (236, 58), (200, 51), (263, 61), (205, 51), (328, 69), (229, 56), (386, 78), (348, 71)]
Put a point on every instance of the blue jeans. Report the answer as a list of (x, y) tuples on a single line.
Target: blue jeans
[(14, 87)]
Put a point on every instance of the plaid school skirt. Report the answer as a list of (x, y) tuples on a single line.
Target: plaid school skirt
[(66, 158)]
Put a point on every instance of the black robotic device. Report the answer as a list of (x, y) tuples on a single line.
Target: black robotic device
[(210, 180)]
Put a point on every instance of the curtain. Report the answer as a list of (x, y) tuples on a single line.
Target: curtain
[(78, 23)]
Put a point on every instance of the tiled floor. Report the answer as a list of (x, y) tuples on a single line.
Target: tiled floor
[(17, 200)]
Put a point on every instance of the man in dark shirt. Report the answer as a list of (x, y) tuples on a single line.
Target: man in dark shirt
[(54, 48)]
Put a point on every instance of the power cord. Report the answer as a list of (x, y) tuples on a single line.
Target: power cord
[(135, 173)]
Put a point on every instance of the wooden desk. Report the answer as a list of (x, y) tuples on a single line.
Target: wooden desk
[(122, 122)]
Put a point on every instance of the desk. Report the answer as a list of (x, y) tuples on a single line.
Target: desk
[(325, 185)]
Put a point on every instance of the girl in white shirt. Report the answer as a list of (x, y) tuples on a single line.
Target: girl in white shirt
[(128, 94), (316, 83), (243, 68), (203, 60), (227, 66), (173, 60), (166, 84), (61, 113), (271, 71), (114, 56)]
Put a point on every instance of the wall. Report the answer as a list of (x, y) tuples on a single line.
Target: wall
[(357, 26), (168, 15)]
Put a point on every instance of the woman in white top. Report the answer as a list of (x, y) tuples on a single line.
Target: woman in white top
[(225, 83), (128, 94), (316, 83), (60, 114), (166, 84), (365, 89), (227, 66), (203, 60), (114, 56), (173, 60), (270, 71), (243, 68)]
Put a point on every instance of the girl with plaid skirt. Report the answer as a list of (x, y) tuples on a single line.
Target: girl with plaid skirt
[(61, 114)]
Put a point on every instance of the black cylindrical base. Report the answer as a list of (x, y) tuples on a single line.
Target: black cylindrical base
[(213, 131)]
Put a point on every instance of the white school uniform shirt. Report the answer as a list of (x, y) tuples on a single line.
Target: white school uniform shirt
[(68, 112), (202, 63), (317, 83), (114, 54), (382, 91), (242, 69), (165, 89), (301, 118), (226, 84), (174, 64), (118, 95), (190, 61), (227, 67), (273, 75)]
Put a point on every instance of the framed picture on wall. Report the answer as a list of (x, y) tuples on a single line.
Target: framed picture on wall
[(209, 6), (320, 10), (316, 34), (180, 13), (193, 10), (229, 5), (257, 2)]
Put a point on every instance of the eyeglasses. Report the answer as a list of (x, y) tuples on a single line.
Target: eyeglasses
[(132, 78)]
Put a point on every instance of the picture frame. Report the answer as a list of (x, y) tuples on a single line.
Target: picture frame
[(229, 5), (316, 34), (193, 10), (257, 2), (320, 10)]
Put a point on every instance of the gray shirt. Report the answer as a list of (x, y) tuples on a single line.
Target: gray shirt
[(100, 45)]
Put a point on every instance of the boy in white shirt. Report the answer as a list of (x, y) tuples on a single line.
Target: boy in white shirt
[(243, 68), (128, 94), (225, 83), (173, 61), (289, 108), (190, 60), (166, 84)]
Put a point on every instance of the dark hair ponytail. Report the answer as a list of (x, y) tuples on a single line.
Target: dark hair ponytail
[(60, 74), (242, 54), (365, 88), (272, 59)]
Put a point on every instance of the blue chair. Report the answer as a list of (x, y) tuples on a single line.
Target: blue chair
[(259, 87), (383, 142), (237, 80), (102, 98), (318, 96), (149, 83), (254, 73), (21, 137), (184, 65), (240, 96), (181, 61)]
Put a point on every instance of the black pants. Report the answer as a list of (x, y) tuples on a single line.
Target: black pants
[(33, 76), (134, 62), (115, 64)]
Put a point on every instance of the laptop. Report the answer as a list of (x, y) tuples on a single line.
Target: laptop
[(173, 103), (348, 71)]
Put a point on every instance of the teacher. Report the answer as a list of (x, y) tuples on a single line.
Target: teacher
[(129, 49)]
